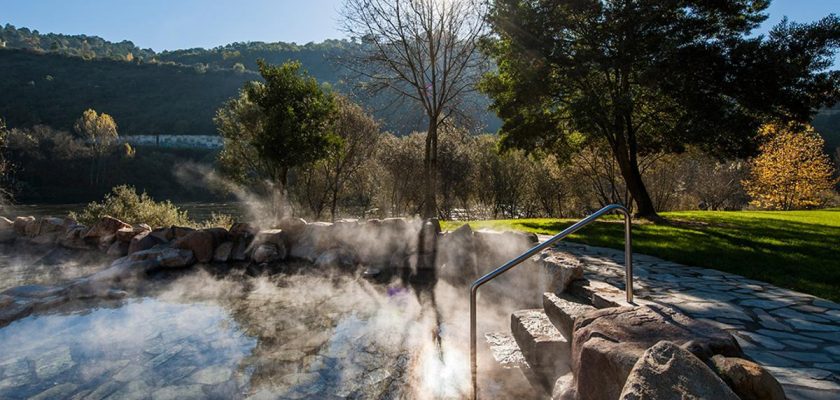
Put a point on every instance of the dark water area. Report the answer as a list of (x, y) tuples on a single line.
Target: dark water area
[(198, 212)]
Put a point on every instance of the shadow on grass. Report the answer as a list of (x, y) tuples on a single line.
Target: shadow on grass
[(790, 254)]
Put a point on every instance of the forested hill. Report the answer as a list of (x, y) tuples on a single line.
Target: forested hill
[(144, 98), (51, 78)]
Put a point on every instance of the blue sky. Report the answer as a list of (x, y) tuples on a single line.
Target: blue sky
[(178, 24)]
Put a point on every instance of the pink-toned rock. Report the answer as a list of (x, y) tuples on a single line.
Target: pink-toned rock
[(202, 243), (608, 342), (240, 229), (105, 227), (126, 234), (74, 238), (21, 223), (668, 372), (747, 379), (143, 241)]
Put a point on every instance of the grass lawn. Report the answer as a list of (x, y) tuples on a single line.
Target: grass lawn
[(798, 250)]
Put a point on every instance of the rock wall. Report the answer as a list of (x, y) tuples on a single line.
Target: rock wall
[(393, 247)]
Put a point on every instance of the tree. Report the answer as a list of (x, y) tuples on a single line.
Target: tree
[(277, 125), (424, 51), (100, 133), (4, 164), (296, 128), (652, 76), (359, 134), (324, 182), (792, 171)]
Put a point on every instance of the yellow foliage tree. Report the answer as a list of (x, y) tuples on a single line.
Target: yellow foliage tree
[(791, 171), (100, 133)]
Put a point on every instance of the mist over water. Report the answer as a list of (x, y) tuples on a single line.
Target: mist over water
[(288, 331), (316, 334)]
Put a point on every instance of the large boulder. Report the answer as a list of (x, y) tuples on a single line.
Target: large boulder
[(608, 342), (202, 242), (223, 252), (7, 230), (165, 234), (241, 237), (143, 241), (73, 238), (666, 371), (118, 249), (165, 257), (47, 230), (377, 242), (107, 226), (561, 269), (456, 256), (315, 238), (265, 253), (126, 234), (747, 379), (495, 248), (21, 223), (292, 226), (6, 223)]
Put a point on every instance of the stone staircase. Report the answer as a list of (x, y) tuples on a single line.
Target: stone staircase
[(539, 344)]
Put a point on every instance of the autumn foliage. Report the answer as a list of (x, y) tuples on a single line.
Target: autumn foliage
[(791, 171)]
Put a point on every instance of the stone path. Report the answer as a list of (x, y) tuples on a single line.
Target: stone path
[(794, 335)]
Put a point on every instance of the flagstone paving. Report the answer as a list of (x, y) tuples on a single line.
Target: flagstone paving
[(794, 335)]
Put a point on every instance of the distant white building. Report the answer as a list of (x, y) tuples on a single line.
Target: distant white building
[(175, 141)]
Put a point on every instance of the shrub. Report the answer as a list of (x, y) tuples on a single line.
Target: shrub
[(219, 220), (125, 204)]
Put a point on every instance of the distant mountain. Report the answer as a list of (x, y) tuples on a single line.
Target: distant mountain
[(52, 78)]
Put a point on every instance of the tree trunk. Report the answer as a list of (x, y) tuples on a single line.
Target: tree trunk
[(430, 173), (633, 179), (333, 204)]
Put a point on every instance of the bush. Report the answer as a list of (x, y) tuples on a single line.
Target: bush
[(217, 220), (125, 204)]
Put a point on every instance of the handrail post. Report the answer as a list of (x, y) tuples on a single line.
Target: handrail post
[(473, 344), (628, 257), (628, 274)]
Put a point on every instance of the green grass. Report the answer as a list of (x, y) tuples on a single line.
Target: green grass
[(798, 250)]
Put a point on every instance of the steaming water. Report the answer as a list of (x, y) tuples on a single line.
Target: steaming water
[(19, 268), (287, 335)]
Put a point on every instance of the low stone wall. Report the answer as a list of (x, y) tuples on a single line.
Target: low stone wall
[(391, 246)]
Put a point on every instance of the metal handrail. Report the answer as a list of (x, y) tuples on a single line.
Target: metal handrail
[(628, 275)]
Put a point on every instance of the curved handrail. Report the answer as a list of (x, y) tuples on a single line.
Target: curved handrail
[(628, 275)]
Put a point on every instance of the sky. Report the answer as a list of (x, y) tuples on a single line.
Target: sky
[(180, 24)]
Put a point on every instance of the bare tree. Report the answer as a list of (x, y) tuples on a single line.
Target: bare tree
[(425, 51)]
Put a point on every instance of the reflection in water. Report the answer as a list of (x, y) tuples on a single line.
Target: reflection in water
[(26, 266), (316, 335), (145, 347)]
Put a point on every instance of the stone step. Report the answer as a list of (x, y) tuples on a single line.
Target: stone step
[(601, 294), (543, 346), (509, 356), (562, 310)]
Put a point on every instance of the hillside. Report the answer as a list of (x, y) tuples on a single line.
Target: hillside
[(144, 98), (51, 78)]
